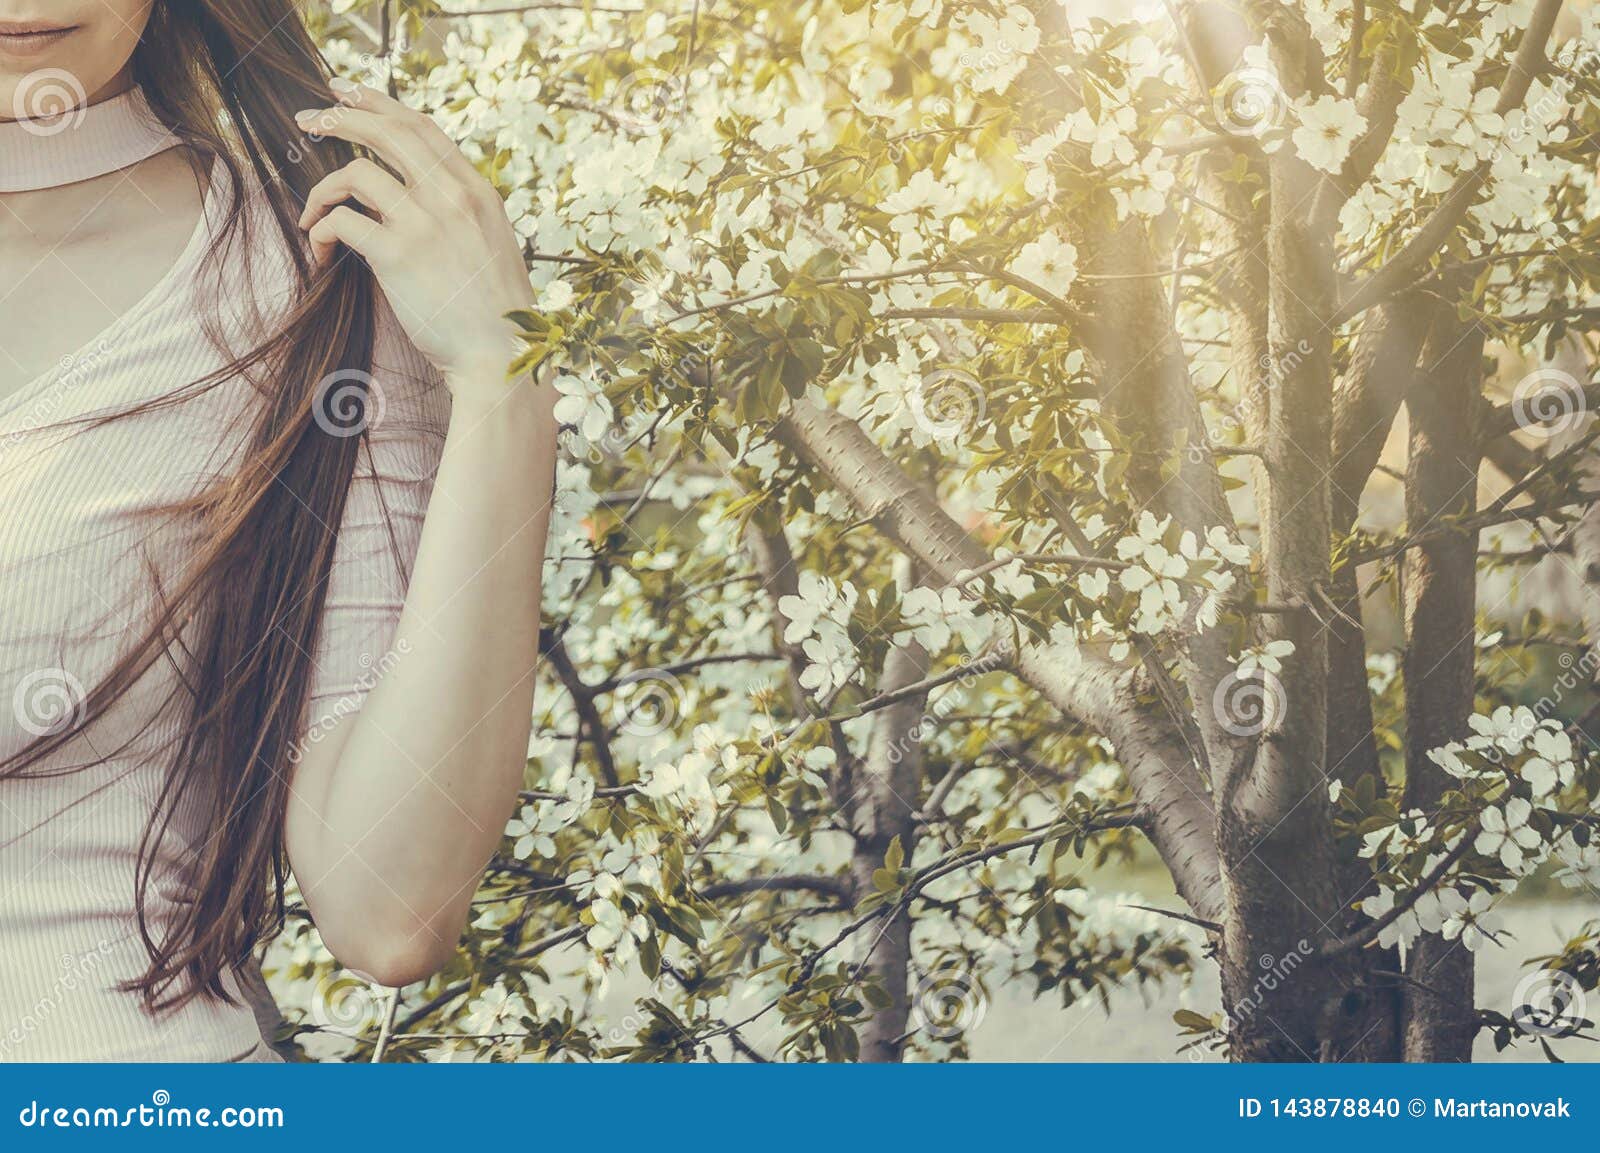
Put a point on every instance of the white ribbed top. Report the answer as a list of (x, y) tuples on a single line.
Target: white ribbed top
[(77, 540)]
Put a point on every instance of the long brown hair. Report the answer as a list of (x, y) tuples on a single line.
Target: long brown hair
[(228, 76)]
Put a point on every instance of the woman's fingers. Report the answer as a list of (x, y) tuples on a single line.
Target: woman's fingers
[(433, 139), (360, 180), (401, 136), (393, 140), (352, 95), (344, 225)]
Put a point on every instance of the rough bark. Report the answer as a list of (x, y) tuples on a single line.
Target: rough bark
[(890, 786), (774, 560), (1573, 358), (1365, 405), (1281, 890), (1440, 590), (1161, 773), (1217, 35), (1586, 551), (1275, 837), (1179, 818), (1381, 373), (1146, 389)]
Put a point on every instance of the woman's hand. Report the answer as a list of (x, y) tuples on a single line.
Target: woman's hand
[(438, 239)]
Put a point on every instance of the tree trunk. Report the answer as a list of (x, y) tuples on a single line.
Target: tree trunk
[(1366, 403), (1573, 358), (1440, 591), (886, 809), (1217, 36), (1276, 837)]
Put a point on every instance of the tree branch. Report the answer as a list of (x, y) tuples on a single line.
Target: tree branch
[(1161, 772), (1417, 251), (1370, 933), (583, 701), (837, 887)]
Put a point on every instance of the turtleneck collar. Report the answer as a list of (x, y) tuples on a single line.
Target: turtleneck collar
[(80, 144)]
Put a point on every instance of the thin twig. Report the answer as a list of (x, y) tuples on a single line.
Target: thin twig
[(1369, 933)]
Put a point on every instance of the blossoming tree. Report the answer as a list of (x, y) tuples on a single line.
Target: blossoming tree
[(970, 415)]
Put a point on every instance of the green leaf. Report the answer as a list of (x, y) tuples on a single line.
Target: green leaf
[(876, 995), (1193, 1022)]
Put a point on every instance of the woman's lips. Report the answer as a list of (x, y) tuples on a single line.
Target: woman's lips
[(26, 39)]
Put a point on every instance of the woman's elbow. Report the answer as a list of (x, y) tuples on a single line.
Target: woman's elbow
[(393, 956)]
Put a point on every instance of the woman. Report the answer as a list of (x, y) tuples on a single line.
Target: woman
[(269, 565)]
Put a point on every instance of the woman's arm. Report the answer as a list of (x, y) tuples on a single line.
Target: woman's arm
[(395, 810)]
